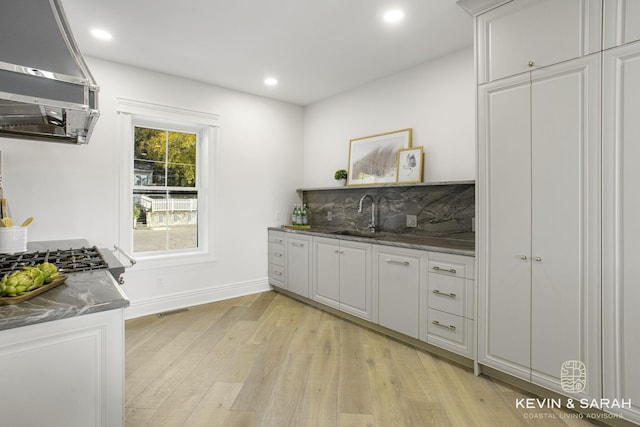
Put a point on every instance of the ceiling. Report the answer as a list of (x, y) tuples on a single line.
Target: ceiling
[(315, 48)]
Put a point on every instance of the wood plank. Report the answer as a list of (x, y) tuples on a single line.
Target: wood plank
[(258, 386), (287, 393), (319, 405), (214, 407), (354, 389), (389, 408), (356, 420)]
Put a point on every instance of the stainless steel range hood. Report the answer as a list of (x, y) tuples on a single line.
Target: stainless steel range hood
[(46, 89)]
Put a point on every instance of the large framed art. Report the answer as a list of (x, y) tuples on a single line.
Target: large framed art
[(373, 159)]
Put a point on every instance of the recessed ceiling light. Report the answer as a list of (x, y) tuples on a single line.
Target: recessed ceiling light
[(393, 15), (270, 81), (101, 34)]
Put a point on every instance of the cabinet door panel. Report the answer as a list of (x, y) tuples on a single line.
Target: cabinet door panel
[(64, 373), (622, 226), (505, 218), (565, 230), (398, 278), (298, 257), (326, 272), (355, 279), (543, 32), (621, 22)]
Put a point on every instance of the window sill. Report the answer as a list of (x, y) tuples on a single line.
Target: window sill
[(149, 262)]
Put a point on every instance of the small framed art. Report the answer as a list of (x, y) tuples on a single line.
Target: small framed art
[(409, 165)]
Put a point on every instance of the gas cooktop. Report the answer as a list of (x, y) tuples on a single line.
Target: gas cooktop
[(67, 260)]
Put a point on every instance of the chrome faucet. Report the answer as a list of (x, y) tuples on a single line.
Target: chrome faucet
[(372, 221)]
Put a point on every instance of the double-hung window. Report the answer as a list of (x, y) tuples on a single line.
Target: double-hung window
[(165, 189), (170, 178)]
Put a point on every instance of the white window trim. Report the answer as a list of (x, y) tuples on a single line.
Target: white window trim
[(132, 112)]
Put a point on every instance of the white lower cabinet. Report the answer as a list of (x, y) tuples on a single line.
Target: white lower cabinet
[(342, 276), (448, 300), (63, 373), (429, 296), (277, 258), (298, 254), (397, 277)]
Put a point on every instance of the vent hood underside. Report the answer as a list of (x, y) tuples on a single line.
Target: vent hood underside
[(46, 89)]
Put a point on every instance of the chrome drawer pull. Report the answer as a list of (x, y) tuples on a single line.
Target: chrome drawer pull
[(450, 327), (278, 241), (437, 292), (277, 254), (396, 262), (277, 273), (450, 270), (300, 245)]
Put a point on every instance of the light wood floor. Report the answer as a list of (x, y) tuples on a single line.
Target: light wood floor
[(268, 360)]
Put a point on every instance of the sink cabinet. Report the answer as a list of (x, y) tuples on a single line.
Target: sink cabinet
[(342, 276)]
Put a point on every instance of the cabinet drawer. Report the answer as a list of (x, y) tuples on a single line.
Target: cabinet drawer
[(450, 332), (276, 254), (448, 294), (446, 325), (454, 267), (277, 275), (276, 237)]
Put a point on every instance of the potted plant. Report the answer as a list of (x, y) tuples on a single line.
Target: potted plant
[(341, 175)]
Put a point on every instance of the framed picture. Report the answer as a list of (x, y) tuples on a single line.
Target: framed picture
[(373, 159), (409, 165)]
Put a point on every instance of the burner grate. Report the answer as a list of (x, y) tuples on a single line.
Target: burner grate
[(67, 260)]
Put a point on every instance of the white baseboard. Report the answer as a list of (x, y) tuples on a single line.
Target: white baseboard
[(197, 297)]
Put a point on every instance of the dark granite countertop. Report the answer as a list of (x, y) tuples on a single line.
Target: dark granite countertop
[(82, 293), (458, 243)]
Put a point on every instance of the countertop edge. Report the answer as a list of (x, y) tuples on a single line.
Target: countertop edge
[(380, 241), (82, 293)]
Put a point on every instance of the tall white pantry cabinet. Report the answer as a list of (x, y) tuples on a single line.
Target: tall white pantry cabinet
[(621, 226), (558, 203)]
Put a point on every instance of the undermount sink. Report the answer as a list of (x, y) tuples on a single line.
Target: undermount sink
[(353, 233)]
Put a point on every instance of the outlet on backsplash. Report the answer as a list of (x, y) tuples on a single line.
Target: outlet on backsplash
[(412, 220), (329, 216)]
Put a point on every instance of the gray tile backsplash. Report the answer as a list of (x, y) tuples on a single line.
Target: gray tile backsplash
[(441, 209)]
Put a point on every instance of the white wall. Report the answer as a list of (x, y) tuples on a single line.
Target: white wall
[(74, 191), (436, 99)]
